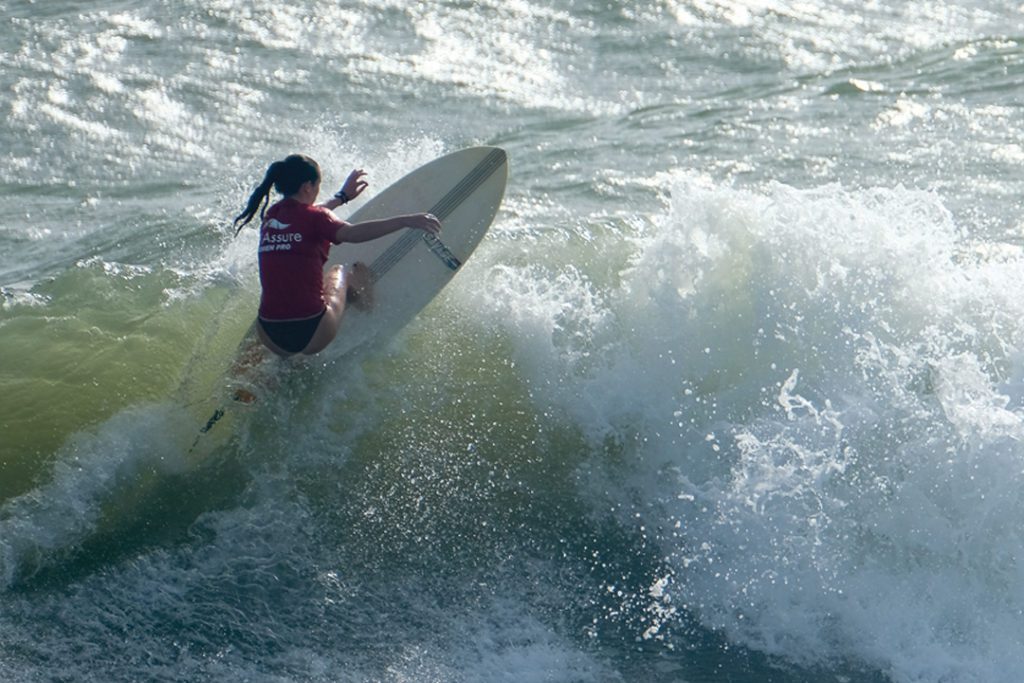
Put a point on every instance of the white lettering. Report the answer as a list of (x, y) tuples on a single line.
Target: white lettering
[(275, 247), (270, 238)]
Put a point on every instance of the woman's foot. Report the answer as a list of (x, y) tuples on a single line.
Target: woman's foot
[(360, 286)]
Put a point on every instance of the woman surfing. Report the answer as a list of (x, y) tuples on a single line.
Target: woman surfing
[(301, 306)]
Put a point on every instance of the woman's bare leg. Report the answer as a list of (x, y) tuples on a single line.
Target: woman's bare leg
[(340, 283), (335, 286)]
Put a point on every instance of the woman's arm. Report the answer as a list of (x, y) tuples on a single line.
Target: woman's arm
[(371, 230)]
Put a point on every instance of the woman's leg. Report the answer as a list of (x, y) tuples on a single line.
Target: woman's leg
[(339, 282)]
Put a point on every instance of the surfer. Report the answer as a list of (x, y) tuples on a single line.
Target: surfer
[(300, 305)]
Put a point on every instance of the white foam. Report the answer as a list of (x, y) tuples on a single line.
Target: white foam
[(822, 389)]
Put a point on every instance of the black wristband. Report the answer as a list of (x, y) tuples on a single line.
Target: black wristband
[(341, 196)]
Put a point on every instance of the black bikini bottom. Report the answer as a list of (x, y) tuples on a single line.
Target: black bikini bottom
[(292, 335)]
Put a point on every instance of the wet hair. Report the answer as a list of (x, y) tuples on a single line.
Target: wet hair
[(286, 176)]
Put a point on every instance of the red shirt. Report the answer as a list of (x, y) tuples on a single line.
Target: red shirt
[(294, 241)]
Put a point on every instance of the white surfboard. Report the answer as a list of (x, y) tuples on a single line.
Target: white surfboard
[(464, 190)]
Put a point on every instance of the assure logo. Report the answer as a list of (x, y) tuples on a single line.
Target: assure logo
[(278, 241)]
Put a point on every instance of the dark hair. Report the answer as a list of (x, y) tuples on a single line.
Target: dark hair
[(286, 177)]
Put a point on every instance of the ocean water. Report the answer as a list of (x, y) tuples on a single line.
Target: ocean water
[(732, 391)]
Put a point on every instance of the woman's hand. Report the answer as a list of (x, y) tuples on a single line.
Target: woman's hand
[(426, 222), (353, 187)]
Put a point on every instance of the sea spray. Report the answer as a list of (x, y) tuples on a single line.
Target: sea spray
[(820, 388), (97, 473), (656, 428)]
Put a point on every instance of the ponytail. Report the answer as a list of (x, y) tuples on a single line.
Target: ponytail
[(287, 177)]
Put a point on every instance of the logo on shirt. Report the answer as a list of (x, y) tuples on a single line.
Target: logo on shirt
[(279, 241)]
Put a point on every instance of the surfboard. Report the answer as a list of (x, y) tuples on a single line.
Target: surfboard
[(464, 190), (409, 267)]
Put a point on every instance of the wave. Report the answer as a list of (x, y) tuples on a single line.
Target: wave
[(802, 409), (812, 402)]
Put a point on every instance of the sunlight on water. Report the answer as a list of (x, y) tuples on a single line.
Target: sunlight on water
[(731, 391)]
